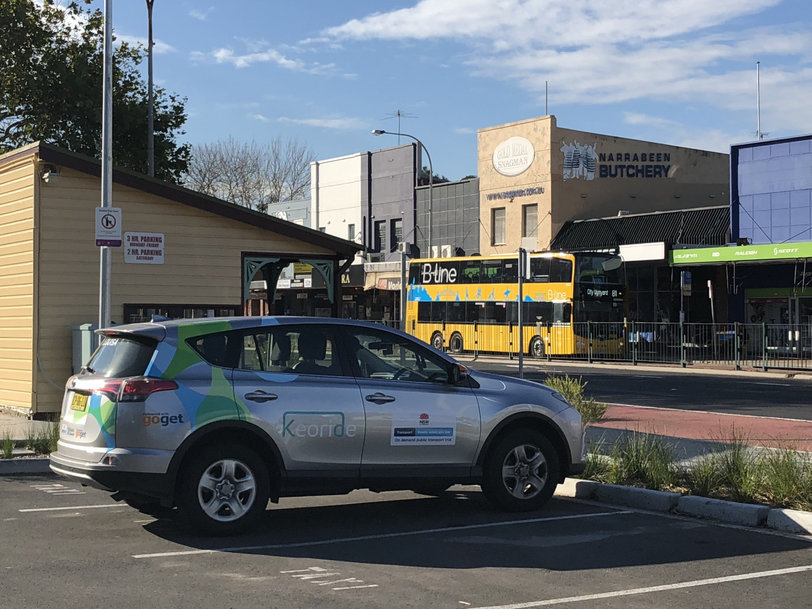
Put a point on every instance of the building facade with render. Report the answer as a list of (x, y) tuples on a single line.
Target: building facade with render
[(534, 176)]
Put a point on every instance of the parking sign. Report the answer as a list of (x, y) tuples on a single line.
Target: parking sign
[(108, 226)]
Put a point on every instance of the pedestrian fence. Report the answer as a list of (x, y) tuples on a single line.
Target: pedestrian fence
[(734, 345), (725, 345)]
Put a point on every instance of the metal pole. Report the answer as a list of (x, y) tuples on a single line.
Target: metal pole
[(520, 272), (106, 162), (403, 290), (758, 101), (151, 99)]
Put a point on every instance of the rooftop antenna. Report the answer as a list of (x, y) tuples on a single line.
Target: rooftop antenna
[(400, 114), (759, 134)]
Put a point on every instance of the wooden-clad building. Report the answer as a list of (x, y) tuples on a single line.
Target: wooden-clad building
[(183, 254)]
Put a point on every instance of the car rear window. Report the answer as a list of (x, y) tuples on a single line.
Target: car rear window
[(119, 356)]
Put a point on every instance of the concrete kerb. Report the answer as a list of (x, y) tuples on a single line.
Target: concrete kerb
[(788, 521), (22, 466)]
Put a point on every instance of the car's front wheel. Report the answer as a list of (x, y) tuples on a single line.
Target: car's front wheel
[(224, 489), (521, 471)]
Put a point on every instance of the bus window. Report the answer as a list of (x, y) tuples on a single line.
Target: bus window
[(510, 271), (470, 271), (491, 271), (455, 312), (540, 270), (560, 270), (538, 312)]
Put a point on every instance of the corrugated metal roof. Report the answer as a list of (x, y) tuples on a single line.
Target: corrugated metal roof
[(695, 227)]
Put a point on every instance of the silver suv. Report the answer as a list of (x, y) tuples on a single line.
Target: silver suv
[(218, 416)]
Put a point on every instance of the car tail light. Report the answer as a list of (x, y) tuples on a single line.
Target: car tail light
[(134, 390)]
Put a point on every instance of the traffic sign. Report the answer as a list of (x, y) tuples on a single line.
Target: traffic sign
[(108, 226)]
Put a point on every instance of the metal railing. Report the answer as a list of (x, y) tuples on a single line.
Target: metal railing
[(729, 345), (734, 345)]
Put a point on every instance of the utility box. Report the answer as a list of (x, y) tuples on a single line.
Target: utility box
[(84, 343)]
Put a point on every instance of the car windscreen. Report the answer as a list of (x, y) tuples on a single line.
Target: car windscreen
[(120, 356)]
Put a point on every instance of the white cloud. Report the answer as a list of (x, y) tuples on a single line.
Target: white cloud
[(201, 14), (260, 53), (340, 124), (158, 46), (259, 117), (594, 52)]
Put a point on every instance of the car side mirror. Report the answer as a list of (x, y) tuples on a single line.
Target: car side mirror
[(458, 374)]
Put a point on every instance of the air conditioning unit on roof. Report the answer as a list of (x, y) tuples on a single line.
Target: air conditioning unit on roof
[(445, 251)]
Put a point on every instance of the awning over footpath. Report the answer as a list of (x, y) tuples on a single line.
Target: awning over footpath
[(382, 276), (687, 227)]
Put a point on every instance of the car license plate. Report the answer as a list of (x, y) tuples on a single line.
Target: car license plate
[(79, 402)]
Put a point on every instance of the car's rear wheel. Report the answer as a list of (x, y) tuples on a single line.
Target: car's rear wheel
[(521, 471), (224, 489)]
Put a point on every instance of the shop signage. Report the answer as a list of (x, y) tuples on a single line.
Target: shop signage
[(743, 253), (513, 156), (144, 248), (392, 285), (634, 165), (519, 192), (585, 162)]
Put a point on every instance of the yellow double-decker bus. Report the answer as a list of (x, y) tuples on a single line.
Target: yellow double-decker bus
[(572, 302)]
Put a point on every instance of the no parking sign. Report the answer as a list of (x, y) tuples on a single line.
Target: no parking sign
[(108, 226)]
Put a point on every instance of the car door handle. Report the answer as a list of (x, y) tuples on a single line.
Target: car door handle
[(260, 396), (379, 398)]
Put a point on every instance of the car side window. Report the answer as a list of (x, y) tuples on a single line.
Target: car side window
[(388, 356), (296, 349), (313, 351), (217, 349), (265, 350)]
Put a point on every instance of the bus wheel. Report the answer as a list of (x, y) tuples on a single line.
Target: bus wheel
[(455, 343), (437, 341), (537, 347)]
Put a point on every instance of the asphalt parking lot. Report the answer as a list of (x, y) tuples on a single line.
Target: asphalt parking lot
[(68, 546)]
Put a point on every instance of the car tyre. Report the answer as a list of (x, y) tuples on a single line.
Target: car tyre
[(224, 489), (521, 471), (437, 341)]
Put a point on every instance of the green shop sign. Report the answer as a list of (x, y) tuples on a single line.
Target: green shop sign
[(742, 253)]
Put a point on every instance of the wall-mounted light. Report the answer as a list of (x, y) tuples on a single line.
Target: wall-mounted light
[(49, 174)]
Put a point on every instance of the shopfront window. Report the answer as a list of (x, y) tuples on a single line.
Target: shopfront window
[(134, 313)]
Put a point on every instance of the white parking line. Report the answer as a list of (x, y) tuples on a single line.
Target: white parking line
[(664, 588), (71, 507), (321, 542)]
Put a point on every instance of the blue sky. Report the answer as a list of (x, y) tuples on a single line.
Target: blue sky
[(327, 72)]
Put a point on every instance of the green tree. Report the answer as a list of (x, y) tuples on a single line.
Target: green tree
[(51, 70)]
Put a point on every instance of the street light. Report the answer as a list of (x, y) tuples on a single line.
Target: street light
[(403, 253), (431, 171)]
